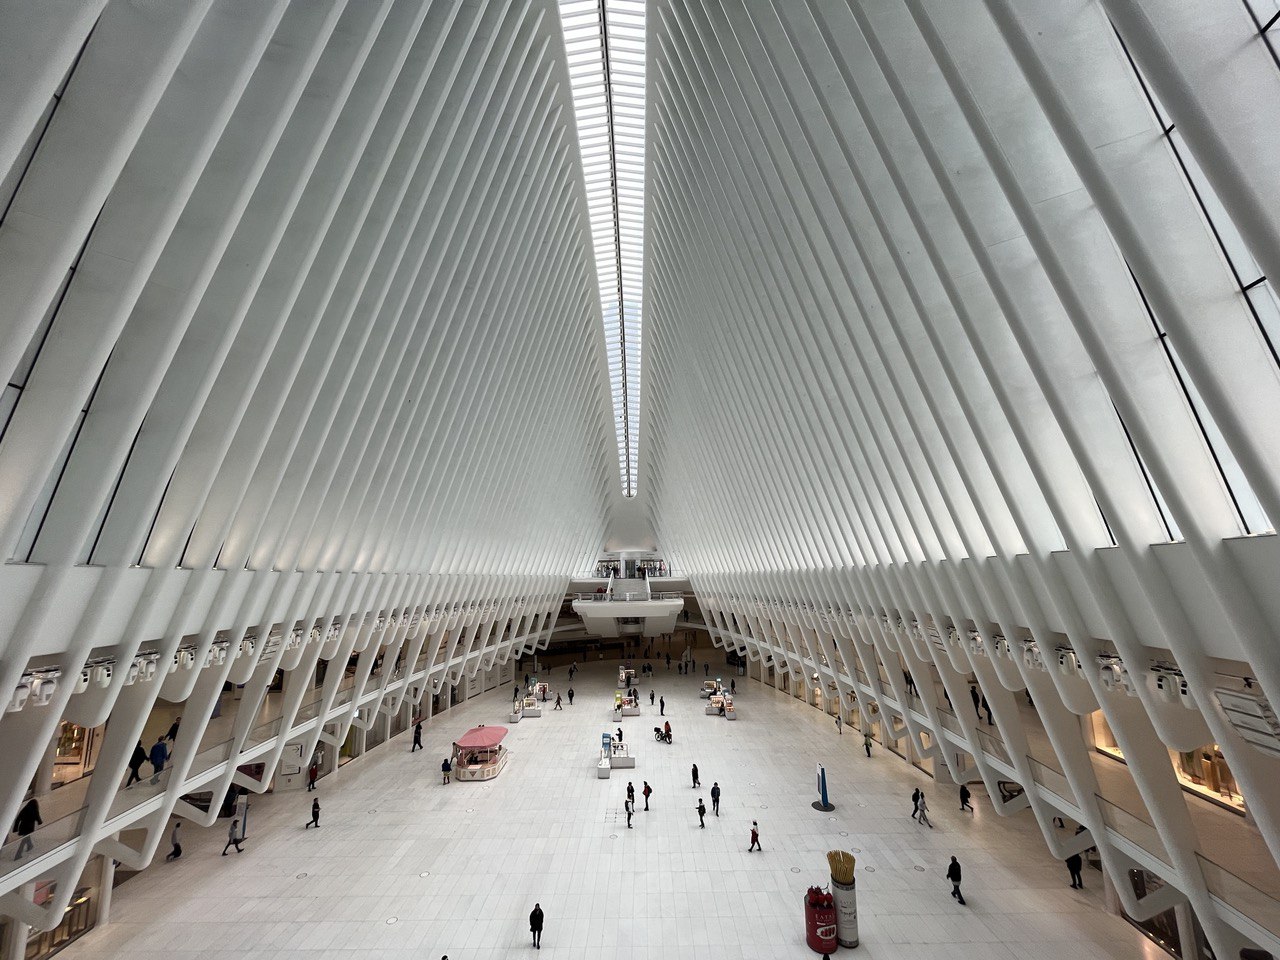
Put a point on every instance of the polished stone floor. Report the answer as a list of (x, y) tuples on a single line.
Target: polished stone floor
[(405, 867)]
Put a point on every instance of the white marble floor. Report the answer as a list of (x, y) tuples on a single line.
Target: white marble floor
[(403, 866)]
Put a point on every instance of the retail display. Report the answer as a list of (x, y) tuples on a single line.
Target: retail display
[(531, 707), (479, 754)]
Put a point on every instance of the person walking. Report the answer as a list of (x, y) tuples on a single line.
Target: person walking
[(651, 698), (417, 737), (630, 808), (631, 791), (839, 725), (535, 925), (25, 825), (646, 793), (702, 813), (313, 771), (662, 706), (1074, 864), (953, 874), (174, 839), (866, 743), (715, 798), (559, 705), (696, 782), (987, 707), (755, 838), (232, 839), (977, 700), (446, 768), (315, 815), (915, 802), (733, 686), (619, 734), (924, 812), (965, 796), (570, 693), (135, 765), (706, 669), (159, 754), (172, 735)]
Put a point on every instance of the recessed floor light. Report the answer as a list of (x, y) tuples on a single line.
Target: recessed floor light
[(871, 869), (391, 920), (844, 833), (426, 874), (300, 876), (919, 869), (795, 869)]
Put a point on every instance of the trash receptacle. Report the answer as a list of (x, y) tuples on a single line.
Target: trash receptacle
[(820, 921)]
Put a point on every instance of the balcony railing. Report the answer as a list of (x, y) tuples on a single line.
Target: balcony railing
[(1240, 895)]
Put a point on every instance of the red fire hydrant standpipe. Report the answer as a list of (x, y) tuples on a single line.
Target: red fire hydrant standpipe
[(820, 920)]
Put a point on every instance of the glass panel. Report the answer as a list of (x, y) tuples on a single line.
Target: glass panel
[(605, 41)]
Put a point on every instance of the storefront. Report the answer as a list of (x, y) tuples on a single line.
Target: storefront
[(76, 752), (77, 920), (1202, 771)]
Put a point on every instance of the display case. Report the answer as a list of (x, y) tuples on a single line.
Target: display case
[(709, 687), (620, 755), (626, 678), (531, 707)]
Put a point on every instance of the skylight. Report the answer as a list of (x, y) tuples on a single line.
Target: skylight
[(605, 43)]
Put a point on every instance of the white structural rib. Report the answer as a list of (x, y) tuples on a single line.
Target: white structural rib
[(303, 383), (959, 358), (605, 41)]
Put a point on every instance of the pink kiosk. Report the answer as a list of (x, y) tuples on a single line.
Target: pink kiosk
[(479, 755)]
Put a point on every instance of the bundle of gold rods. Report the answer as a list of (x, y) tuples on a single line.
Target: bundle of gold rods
[(841, 865)]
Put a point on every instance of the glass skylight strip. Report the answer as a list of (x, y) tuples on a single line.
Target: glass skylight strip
[(605, 41)]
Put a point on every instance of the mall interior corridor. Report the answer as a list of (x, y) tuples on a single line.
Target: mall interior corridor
[(403, 866)]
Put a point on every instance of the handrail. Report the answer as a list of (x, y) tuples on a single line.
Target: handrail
[(1241, 895), (1133, 828)]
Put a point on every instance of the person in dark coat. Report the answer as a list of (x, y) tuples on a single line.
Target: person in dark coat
[(159, 754), (570, 692), (965, 796), (1074, 864), (651, 698), (315, 814), (662, 706), (417, 737), (446, 768), (25, 826), (535, 925), (915, 803), (135, 765), (976, 697), (313, 771), (696, 782), (953, 874), (172, 735), (702, 813), (630, 807), (715, 798), (646, 793), (755, 838)]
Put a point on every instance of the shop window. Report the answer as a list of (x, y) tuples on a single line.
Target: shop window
[(77, 920), (1163, 927), (1203, 771), (76, 752)]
